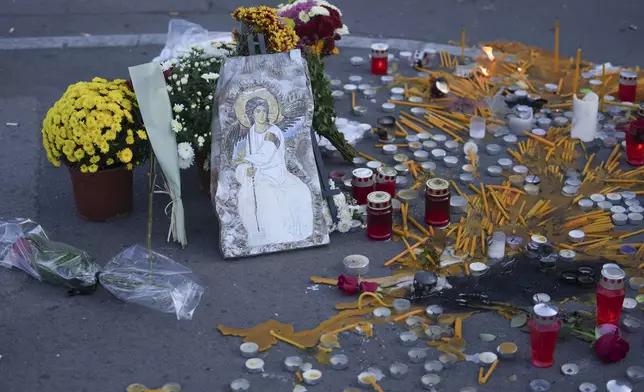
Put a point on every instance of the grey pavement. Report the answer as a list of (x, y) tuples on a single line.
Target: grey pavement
[(52, 342)]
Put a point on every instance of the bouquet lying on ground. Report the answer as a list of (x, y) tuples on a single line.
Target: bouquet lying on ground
[(24, 245), (191, 80)]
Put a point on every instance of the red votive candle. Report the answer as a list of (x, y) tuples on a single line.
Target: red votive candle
[(361, 185), (610, 296), (379, 59), (627, 86), (379, 216), (386, 180), (544, 329), (635, 143), (437, 196)]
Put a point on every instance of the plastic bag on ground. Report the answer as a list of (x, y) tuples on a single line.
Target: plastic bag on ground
[(151, 279), (183, 34), (24, 245)]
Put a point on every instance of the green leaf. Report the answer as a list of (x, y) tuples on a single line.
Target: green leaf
[(288, 22), (519, 320), (487, 337)]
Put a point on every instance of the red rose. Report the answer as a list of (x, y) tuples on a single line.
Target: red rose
[(348, 284), (611, 348), (368, 287)]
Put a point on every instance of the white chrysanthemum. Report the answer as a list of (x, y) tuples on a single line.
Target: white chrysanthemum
[(185, 150), (169, 88), (327, 4), (209, 97), (344, 226), (184, 80), (201, 141), (185, 163), (344, 30), (317, 10), (304, 17), (166, 65), (197, 47), (210, 76), (178, 107), (176, 126)]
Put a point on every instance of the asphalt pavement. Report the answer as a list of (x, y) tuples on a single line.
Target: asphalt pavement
[(49, 341)]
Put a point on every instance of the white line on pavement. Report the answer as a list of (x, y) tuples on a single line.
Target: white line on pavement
[(132, 40)]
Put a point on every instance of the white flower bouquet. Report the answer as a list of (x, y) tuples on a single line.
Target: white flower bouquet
[(191, 80)]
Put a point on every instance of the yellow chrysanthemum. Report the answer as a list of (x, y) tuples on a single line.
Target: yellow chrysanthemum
[(142, 135), (84, 127), (129, 166), (125, 155)]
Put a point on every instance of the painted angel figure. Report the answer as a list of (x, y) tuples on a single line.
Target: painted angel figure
[(275, 206)]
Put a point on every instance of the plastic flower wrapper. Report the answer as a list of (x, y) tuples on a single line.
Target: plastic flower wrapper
[(144, 277), (24, 245)]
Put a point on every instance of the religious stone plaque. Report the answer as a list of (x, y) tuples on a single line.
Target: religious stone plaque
[(265, 183)]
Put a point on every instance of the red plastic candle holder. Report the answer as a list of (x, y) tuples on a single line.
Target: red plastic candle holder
[(611, 291), (635, 143), (361, 185), (386, 180), (437, 197), (544, 330), (379, 216), (379, 59), (627, 86)]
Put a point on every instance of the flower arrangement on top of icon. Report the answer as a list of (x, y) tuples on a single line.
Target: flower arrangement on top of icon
[(279, 34), (95, 126), (318, 24), (191, 80)]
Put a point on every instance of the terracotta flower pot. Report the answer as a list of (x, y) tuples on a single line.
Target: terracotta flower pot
[(102, 196), (204, 175)]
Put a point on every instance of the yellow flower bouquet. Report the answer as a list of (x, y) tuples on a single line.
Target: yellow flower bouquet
[(95, 126), (280, 36)]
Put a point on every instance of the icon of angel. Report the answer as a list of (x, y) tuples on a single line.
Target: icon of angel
[(275, 205)]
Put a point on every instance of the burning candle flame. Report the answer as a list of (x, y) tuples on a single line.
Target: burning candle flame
[(484, 71), (489, 52)]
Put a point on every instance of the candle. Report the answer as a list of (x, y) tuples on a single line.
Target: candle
[(603, 89), (575, 84), (361, 184), (463, 45), (437, 198), (386, 179), (627, 86), (611, 291), (557, 45), (379, 59), (544, 329), (379, 216), (635, 143)]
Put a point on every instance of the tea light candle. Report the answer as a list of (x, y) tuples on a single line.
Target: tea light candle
[(531, 189), (364, 87), (605, 205), (614, 197), (505, 163), (438, 154), (339, 362), (487, 357), (429, 145), (431, 166), (312, 377), (369, 94), (540, 298), (447, 359), (356, 265), (382, 312), (493, 149), (576, 236), (355, 79), (389, 149), (422, 137), (416, 355), (494, 171), (433, 311), (617, 209), (429, 381), (398, 370), (397, 91), (337, 94), (388, 107), (336, 83), (419, 112), (597, 198), (413, 322), (439, 138), (240, 385), (357, 61), (386, 80), (466, 178), (449, 160), (360, 110), (421, 155), (401, 305), (629, 305), (350, 87), (408, 338), (249, 349), (255, 365), (293, 363)]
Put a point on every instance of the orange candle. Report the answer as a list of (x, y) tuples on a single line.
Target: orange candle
[(575, 84), (557, 45), (463, 45)]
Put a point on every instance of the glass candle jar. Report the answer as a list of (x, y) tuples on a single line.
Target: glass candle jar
[(496, 246), (386, 180), (635, 143), (611, 291), (544, 330), (627, 86), (379, 59), (437, 198), (477, 127), (361, 185), (379, 216), (386, 125)]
